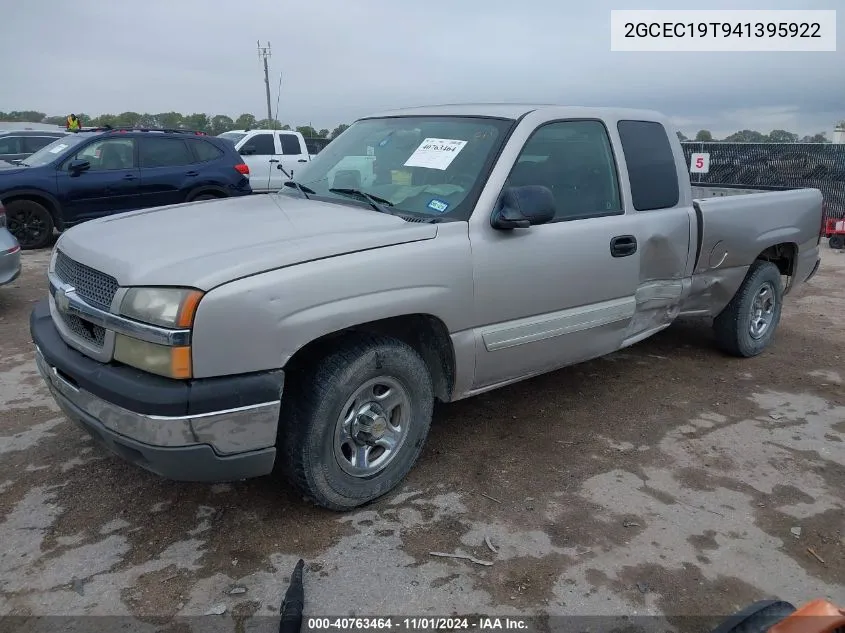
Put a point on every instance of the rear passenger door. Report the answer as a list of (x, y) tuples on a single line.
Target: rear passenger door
[(167, 170), (664, 224), (259, 153), (562, 292)]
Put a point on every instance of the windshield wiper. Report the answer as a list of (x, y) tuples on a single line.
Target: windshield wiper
[(301, 188), (375, 202)]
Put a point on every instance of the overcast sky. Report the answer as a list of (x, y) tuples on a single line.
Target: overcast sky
[(341, 59)]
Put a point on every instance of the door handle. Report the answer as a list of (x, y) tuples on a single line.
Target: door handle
[(129, 177), (623, 245), (274, 160), (302, 160), (193, 173)]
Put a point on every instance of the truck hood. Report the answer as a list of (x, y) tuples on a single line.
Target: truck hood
[(205, 244)]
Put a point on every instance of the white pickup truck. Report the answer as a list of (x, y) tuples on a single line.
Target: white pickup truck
[(264, 151)]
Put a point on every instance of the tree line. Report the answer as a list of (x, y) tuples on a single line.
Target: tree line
[(219, 123), (216, 124), (753, 136)]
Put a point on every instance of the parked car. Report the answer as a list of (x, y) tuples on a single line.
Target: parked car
[(17, 145), (267, 150), (89, 174), (487, 244), (10, 252)]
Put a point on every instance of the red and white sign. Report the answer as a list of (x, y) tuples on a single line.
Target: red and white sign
[(699, 163)]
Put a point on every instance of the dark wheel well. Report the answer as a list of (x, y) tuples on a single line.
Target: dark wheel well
[(783, 256), (427, 334), (216, 193), (43, 201)]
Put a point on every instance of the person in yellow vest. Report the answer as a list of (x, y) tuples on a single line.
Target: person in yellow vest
[(73, 124)]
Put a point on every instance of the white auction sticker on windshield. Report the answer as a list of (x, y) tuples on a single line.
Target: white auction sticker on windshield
[(435, 153), (58, 148)]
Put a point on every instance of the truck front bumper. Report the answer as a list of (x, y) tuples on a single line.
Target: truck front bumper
[(209, 430)]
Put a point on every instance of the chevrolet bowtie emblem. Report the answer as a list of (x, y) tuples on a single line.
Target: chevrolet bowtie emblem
[(62, 302)]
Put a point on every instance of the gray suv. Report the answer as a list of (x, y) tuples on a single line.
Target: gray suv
[(20, 144)]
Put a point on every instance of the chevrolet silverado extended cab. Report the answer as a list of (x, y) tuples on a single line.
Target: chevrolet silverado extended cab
[(425, 254)]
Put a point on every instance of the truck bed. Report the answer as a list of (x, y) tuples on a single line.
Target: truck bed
[(736, 225)]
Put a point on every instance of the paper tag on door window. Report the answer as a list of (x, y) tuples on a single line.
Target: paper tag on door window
[(58, 148), (435, 153), (699, 163)]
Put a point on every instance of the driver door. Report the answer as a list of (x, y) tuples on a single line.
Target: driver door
[(259, 153), (111, 184), (563, 292)]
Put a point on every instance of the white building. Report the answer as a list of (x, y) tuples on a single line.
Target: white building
[(839, 133)]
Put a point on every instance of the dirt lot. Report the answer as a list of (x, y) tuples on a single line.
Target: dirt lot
[(667, 479)]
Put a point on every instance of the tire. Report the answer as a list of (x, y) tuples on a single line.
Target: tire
[(314, 445), (837, 242), (30, 223), (758, 618), (741, 332), (204, 196)]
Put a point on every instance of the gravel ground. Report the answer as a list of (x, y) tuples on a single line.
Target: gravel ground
[(667, 479)]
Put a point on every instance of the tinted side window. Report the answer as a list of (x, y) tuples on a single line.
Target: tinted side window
[(32, 144), (163, 152), (575, 160), (651, 165), (290, 144), (10, 144), (205, 151), (261, 145)]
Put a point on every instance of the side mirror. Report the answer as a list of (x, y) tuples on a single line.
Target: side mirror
[(247, 150), (521, 207), (77, 166)]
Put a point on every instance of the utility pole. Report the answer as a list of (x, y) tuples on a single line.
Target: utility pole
[(264, 54)]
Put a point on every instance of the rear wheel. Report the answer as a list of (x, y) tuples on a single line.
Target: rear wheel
[(836, 241), (30, 223), (747, 324), (356, 421)]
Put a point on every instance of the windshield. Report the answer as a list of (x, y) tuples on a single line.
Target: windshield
[(232, 136), (430, 166), (54, 150)]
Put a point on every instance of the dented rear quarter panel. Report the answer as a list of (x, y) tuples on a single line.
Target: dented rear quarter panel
[(737, 229)]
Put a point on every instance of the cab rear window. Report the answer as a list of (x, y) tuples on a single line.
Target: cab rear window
[(651, 165)]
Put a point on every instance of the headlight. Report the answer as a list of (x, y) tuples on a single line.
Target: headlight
[(166, 307), (172, 362)]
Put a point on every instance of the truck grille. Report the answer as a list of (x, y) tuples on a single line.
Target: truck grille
[(94, 334), (95, 287)]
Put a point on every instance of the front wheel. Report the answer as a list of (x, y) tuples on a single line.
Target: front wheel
[(747, 324), (30, 223), (836, 242), (355, 422)]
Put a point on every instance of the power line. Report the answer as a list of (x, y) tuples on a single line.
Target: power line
[(264, 55)]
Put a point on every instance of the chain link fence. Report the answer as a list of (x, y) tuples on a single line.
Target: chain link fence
[(776, 166)]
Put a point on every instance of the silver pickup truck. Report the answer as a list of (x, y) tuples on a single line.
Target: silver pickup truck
[(429, 253)]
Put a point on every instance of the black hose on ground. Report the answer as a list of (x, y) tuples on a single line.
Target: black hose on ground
[(293, 603)]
